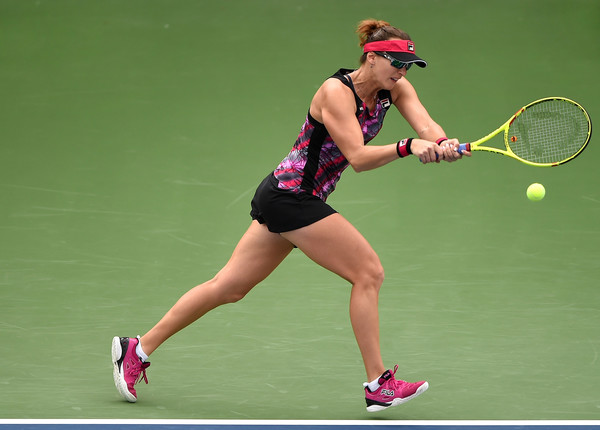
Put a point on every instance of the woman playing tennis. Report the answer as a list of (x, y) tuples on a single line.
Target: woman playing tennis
[(289, 209)]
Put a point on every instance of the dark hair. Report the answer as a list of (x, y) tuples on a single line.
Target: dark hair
[(371, 30)]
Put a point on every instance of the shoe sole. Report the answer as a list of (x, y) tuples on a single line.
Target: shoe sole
[(399, 401), (117, 359)]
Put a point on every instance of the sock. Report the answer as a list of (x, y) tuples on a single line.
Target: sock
[(373, 385), (140, 352)]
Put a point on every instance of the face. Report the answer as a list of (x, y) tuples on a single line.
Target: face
[(396, 63), (384, 72)]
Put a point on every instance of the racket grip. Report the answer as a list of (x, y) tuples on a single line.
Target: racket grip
[(462, 147)]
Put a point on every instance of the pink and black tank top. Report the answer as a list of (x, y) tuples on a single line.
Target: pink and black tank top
[(315, 163)]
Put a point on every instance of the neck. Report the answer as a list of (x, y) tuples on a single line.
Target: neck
[(363, 84)]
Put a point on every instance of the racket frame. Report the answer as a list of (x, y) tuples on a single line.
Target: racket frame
[(476, 145)]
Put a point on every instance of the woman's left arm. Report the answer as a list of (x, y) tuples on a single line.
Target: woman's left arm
[(407, 101)]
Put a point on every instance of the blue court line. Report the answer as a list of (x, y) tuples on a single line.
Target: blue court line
[(292, 425), (306, 427), (277, 427)]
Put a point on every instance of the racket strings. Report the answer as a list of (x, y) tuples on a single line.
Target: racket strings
[(548, 132)]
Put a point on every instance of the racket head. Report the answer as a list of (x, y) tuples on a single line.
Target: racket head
[(548, 132)]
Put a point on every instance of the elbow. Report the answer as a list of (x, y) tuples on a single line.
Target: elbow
[(357, 165), (358, 168)]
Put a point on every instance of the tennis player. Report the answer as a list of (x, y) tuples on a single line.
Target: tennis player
[(289, 209)]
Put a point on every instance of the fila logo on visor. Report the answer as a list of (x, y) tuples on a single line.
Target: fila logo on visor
[(411, 46)]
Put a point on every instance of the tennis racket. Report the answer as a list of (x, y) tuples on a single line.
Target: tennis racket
[(547, 132)]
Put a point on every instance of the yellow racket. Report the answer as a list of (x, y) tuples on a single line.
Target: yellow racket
[(547, 132)]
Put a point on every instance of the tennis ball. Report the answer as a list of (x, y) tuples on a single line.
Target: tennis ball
[(536, 192)]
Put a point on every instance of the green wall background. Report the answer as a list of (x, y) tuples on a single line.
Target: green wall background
[(133, 134)]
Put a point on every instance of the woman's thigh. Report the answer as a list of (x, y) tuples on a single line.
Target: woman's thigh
[(338, 246), (256, 255)]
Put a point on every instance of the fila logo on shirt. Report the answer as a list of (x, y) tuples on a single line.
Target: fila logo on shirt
[(385, 103)]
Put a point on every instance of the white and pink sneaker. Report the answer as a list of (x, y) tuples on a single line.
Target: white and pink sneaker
[(392, 392), (129, 369)]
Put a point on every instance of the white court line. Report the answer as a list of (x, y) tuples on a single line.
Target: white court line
[(526, 423)]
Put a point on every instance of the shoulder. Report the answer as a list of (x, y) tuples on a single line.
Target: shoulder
[(332, 96), (334, 88), (337, 86)]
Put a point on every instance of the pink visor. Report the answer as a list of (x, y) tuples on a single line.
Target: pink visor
[(402, 50)]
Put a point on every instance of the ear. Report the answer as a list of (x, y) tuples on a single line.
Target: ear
[(371, 58)]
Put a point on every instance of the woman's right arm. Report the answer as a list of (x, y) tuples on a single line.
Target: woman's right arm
[(334, 106)]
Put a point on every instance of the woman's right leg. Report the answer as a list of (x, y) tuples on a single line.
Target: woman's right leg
[(257, 254)]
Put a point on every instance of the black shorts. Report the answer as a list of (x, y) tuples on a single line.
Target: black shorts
[(283, 210)]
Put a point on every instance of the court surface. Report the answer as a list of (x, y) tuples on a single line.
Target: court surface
[(294, 425), (133, 135)]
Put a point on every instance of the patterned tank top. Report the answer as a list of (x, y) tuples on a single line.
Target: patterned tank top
[(315, 163)]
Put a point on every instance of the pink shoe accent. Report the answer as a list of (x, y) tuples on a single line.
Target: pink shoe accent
[(392, 392), (128, 367)]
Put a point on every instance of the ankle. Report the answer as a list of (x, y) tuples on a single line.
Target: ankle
[(140, 351)]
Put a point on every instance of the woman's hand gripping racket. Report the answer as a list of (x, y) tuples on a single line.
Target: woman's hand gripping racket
[(547, 132)]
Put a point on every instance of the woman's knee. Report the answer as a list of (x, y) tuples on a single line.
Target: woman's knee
[(225, 296), (227, 290), (371, 276), (232, 297)]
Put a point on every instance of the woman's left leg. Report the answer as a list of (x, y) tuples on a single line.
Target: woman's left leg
[(339, 247), (336, 245)]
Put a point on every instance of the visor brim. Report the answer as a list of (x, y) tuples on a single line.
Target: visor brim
[(407, 57)]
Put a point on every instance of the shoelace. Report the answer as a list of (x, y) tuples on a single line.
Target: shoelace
[(396, 382), (388, 375), (139, 372), (143, 368)]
